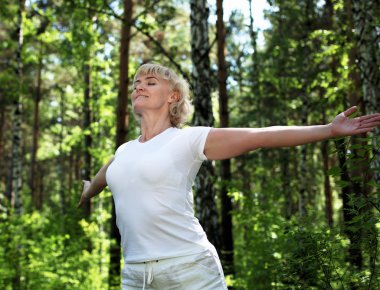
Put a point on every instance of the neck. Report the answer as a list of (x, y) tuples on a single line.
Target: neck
[(150, 127)]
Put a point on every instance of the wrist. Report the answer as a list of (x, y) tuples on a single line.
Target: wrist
[(330, 131)]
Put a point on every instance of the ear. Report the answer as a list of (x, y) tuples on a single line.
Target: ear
[(174, 97)]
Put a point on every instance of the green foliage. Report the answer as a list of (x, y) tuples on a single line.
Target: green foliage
[(50, 257)]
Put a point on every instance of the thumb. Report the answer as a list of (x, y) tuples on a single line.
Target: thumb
[(350, 111)]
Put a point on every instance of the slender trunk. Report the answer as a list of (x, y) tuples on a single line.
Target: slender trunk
[(36, 128), (16, 161), (88, 134), (304, 197), (61, 163), (121, 134), (71, 165), (328, 24), (3, 160), (225, 166), (17, 121), (205, 206), (5, 169), (327, 184), (353, 232), (285, 177)]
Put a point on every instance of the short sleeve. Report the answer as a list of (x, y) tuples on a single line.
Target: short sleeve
[(120, 149), (197, 137)]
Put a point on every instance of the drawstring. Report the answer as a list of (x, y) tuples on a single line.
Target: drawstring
[(150, 273)]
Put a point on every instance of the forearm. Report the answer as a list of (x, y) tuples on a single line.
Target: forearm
[(287, 136), (225, 143), (98, 183)]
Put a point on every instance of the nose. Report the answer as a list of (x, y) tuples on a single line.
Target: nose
[(139, 87)]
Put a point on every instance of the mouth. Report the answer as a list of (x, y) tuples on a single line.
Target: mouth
[(140, 97)]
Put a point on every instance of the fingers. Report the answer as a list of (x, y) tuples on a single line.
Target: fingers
[(370, 121), (350, 111), (364, 130), (369, 118)]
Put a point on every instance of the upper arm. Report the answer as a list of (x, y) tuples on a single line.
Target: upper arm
[(102, 172), (224, 143)]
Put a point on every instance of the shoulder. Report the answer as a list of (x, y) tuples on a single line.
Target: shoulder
[(196, 139), (122, 147), (196, 130)]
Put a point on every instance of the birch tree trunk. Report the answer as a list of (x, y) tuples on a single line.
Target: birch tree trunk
[(121, 134), (16, 163), (368, 40), (205, 206), (16, 158), (367, 52)]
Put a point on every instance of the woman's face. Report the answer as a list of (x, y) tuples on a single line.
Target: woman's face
[(151, 93)]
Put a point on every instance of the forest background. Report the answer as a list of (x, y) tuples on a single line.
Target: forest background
[(293, 218)]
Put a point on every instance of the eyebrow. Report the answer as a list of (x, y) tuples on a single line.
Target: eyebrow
[(149, 77)]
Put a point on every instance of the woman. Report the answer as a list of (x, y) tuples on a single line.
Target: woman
[(164, 246)]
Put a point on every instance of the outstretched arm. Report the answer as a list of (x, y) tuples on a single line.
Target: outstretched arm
[(96, 186), (223, 143)]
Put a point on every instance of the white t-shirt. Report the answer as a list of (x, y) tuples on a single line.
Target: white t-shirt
[(151, 183)]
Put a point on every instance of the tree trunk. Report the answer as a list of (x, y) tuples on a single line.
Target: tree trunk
[(36, 128), (327, 185), (16, 161), (285, 178), (367, 37), (61, 163), (352, 231), (17, 121), (88, 135), (205, 206), (225, 166), (328, 22), (121, 134), (367, 52), (3, 160)]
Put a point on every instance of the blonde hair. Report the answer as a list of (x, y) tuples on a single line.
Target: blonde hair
[(179, 110)]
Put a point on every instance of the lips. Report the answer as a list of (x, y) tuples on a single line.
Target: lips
[(141, 97)]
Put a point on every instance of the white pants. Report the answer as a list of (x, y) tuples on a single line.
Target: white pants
[(194, 272)]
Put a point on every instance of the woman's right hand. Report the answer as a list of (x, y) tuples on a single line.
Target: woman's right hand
[(84, 197)]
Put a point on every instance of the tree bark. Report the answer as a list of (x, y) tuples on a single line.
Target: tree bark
[(121, 134), (367, 41), (37, 202), (3, 160), (205, 206), (16, 159), (61, 163), (361, 19), (16, 164), (225, 166), (352, 231), (328, 21), (88, 135)]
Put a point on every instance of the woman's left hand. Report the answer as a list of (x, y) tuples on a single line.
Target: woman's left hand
[(342, 125)]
